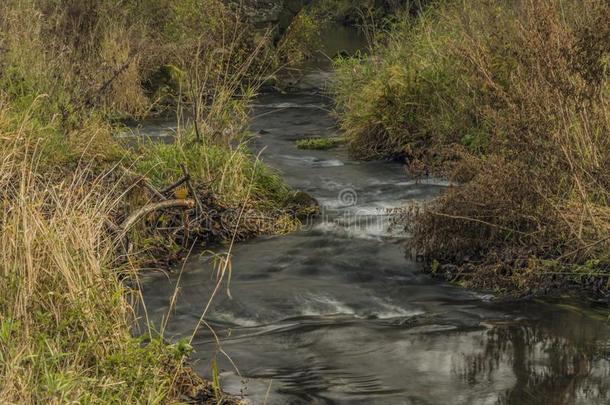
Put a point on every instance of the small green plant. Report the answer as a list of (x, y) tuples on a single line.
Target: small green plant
[(216, 381), (320, 143)]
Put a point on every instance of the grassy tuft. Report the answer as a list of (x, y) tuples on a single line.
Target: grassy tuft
[(320, 143), (234, 175)]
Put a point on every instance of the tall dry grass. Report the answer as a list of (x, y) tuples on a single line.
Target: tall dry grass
[(65, 317), (540, 188)]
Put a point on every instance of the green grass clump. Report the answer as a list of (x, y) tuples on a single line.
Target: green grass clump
[(320, 143), (233, 175), (410, 95)]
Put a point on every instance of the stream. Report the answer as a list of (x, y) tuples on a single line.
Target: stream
[(337, 312)]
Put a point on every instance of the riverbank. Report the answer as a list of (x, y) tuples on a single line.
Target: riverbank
[(67, 313), (511, 101), (84, 211)]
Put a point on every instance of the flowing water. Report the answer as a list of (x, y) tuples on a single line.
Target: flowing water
[(337, 313)]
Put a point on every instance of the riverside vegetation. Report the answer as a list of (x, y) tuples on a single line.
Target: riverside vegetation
[(79, 214), (513, 98), (511, 101)]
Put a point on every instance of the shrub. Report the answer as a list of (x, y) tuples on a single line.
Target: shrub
[(407, 96), (521, 89)]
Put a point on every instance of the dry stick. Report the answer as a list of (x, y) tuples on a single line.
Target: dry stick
[(590, 245), (185, 222), (174, 299), (267, 393), (175, 185), (111, 225), (226, 265), (140, 297), (196, 106), (108, 82), (191, 189), (147, 209), (220, 349)]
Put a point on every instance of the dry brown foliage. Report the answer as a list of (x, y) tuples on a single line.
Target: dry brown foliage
[(538, 201)]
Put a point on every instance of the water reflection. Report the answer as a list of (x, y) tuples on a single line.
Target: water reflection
[(548, 365)]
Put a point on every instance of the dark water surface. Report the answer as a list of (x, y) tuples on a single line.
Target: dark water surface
[(337, 314)]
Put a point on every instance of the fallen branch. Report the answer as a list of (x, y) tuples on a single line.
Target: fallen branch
[(147, 209), (462, 218), (588, 246), (115, 75), (175, 185)]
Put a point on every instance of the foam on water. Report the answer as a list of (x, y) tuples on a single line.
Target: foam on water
[(312, 161), (320, 305)]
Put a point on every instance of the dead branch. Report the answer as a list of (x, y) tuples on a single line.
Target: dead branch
[(114, 76), (147, 209), (191, 189), (463, 218), (175, 185)]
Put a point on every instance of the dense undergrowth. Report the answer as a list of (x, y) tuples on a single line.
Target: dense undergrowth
[(70, 72), (512, 99)]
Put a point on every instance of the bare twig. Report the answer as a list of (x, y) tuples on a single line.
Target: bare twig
[(588, 246), (175, 185), (108, 82), (463, 218)]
